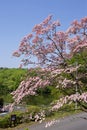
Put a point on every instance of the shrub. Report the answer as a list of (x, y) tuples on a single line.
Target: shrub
[(33, 109), (4, 121), (30, 113), (26, 129)]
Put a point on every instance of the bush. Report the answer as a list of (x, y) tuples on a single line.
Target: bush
[(34, 113), (33, 109), (26, 129), (4, 121)]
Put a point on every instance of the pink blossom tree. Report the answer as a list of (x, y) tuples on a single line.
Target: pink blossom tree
[(53, 51), (45, 46)]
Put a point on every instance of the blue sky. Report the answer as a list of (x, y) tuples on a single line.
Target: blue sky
[(17, 18)]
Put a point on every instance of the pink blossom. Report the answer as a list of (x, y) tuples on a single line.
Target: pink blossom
[(29, 36), (28, 87), (46, 21), (16, 53)]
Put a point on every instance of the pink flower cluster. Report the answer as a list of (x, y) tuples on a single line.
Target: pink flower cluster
[(71, 98), (44, 42), (9, 107), (28, 87), (77, 35), (66, 83)]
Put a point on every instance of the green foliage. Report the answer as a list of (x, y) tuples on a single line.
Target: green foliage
[(44, 96), (32, 72), (33, 109), (26, 129), (11, 78), (9, 81), (80, 58), (3, 89), (8, 98), (4, 121)]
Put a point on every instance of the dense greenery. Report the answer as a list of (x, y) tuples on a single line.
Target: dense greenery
[(10, 79)]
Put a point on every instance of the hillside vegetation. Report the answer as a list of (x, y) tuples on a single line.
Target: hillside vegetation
[(10, 79)]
